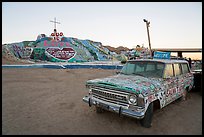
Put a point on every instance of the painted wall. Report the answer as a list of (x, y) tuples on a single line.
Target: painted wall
[(57, 48)]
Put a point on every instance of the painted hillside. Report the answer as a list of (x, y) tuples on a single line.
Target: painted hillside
[(58, 48)]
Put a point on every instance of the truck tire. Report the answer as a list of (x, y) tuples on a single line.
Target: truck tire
[(147, 120)]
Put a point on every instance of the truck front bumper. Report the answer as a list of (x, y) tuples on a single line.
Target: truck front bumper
[(121, 110)]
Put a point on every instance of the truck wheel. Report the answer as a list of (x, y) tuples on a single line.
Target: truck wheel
[(147, 120), (99, 110)]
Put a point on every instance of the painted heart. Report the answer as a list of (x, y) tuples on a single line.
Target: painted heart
[(63, 54)]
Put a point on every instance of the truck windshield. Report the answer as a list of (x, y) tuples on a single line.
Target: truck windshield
[(144, 68)]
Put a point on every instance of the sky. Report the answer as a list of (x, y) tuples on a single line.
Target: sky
[(172, 24)]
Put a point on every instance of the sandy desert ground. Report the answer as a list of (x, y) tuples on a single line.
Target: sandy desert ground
[(49, 102)]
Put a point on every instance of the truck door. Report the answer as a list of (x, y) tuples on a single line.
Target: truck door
[(171, 83), (179, 81)]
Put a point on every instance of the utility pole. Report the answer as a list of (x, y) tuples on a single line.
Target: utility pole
[(147, 24)]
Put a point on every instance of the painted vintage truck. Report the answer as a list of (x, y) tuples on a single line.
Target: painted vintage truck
[(141, 86)]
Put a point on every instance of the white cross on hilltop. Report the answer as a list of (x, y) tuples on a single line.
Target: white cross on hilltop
[(55, 23)]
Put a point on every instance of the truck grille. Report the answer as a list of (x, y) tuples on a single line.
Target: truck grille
[(110, 95)]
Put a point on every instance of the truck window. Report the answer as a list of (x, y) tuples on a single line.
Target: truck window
[(144, 68), (168, 72), (150, 67), (128, 69), (139, 68), (185, 68), (177, 69)]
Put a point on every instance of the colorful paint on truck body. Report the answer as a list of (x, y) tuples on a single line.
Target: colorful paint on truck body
[(139, 84)]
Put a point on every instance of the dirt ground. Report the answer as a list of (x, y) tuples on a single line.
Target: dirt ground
[(49, 102), (10, 60)]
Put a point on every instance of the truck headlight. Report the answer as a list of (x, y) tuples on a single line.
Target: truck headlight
[(90, 90), (132, 99)]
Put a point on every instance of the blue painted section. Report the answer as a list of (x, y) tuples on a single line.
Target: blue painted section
[(75, 66), (162, 55), (95, 50), (93, 66), (53, 66), (22, 66)]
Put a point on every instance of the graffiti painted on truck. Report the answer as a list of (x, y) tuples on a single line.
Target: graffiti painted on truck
[(166, 90)]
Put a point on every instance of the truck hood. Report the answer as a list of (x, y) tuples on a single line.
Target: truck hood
[(132, 83)]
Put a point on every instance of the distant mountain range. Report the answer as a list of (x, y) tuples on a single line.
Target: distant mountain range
[(118, 49)]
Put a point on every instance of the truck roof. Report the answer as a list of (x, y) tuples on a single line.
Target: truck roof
[(161, 60)]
